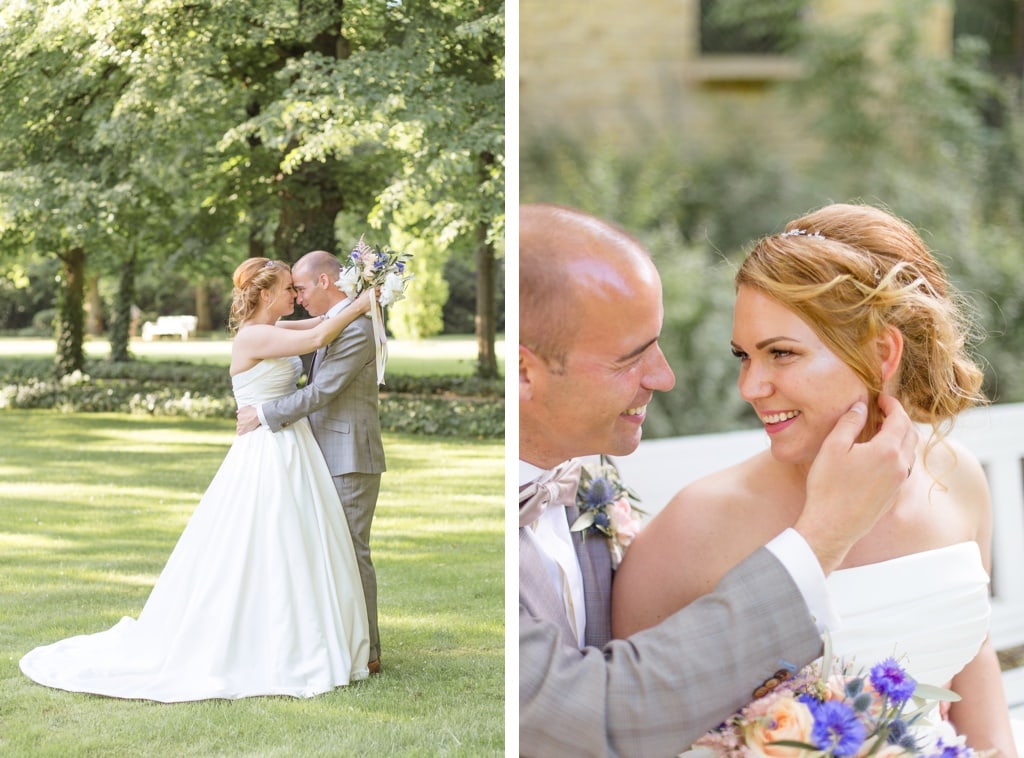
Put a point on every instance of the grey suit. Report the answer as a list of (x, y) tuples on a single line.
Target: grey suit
[(341, 401), (657, 692)]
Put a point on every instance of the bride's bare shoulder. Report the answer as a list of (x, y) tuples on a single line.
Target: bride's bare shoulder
[(718, 495), (954, 467), (688, 546)]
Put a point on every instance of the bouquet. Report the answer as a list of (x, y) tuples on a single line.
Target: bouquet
[(833, 713), (608, 507), (373, 267), (370, 268)]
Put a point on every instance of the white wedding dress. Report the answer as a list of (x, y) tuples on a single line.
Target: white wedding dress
[(261, 595), (929, 610)]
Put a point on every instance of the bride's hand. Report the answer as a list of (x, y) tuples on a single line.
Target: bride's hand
[(362, 302), (850, 485)]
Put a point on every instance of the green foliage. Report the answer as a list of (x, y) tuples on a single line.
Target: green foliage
[(450, 406), (420, 313), (194, 134), (91, 507), (939, 142)]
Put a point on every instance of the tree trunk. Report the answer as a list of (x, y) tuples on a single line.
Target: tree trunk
[(71, 313), (121, 323), (486, 302), (203, 314), (93, 306), (486, 306), (310, 201)]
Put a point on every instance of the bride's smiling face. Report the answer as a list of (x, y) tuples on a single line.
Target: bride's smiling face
[(796, 384)]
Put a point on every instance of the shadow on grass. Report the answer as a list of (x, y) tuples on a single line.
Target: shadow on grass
[(94, 506)]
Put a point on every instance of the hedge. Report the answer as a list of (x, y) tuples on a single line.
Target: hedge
[(449, 406)]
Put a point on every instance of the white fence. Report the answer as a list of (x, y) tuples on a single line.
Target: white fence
[(660, 468)]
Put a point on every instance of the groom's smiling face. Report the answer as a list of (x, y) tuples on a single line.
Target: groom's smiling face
[(596, 401)]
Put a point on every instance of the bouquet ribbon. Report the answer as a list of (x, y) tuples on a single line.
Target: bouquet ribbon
[(380, 337)]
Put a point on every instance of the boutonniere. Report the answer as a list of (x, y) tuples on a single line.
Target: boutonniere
[(607, 507)]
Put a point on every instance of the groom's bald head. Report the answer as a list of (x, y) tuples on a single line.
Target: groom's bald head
[(566, 255)]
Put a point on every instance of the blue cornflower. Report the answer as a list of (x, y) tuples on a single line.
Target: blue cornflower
[(950, 751), (891, 681), (837, 730), (599, 493)]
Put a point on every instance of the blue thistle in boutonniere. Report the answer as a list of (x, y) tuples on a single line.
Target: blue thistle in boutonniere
[(607, 507)]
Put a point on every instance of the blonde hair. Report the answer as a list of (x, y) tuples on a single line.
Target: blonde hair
[(852, 271), (253, 276)]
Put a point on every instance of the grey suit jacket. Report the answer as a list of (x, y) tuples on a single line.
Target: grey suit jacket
[(341, 402), (658, 691)]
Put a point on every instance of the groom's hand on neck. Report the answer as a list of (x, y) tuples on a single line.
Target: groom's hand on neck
[(851, 484)]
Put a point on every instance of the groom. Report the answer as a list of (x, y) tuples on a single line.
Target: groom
[(341, 401), (590, 312)]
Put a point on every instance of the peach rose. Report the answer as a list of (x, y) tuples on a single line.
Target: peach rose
[(624, 526), (785, 720)]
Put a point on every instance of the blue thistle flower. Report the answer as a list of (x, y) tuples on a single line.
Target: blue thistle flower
[(599, 493), (891, 681), (601, 520), (897, 731), (837, 729)]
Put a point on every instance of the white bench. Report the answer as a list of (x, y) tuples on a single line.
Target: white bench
[(170, 326), (660, 468)]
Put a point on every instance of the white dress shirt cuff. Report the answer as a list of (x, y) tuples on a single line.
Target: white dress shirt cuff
[(802, 564), (259, 413)]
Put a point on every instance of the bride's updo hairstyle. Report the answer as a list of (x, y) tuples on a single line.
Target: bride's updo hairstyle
[(253, 276), (851, 271)]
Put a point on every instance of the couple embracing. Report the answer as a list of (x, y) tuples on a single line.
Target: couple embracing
[(852, 528), (270, 590)]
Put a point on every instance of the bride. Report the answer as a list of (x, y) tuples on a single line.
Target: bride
[(844, 305), (261, 595)]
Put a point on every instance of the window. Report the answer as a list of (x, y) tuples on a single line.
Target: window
[(741, 27)]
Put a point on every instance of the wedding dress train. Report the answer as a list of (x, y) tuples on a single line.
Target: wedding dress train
[(261, 595)]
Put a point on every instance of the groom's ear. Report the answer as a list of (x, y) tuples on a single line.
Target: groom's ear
[(890, 352), (529, 373)]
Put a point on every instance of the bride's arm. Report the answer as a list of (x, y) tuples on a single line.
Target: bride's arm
[(260, 341), (981, 715), (301, 323)]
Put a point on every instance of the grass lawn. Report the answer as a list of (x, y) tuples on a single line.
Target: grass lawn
[(448, 355), (91, 506)]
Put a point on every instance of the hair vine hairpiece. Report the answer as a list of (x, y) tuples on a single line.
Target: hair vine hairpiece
[(802, 233)]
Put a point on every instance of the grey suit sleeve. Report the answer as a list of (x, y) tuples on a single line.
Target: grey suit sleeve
[(344, 358), (657, 692)]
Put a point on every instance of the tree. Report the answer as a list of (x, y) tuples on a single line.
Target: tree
[(421, 90), (190, 132)]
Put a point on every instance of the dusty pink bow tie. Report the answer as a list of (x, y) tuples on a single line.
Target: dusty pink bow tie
[(554, 488)]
